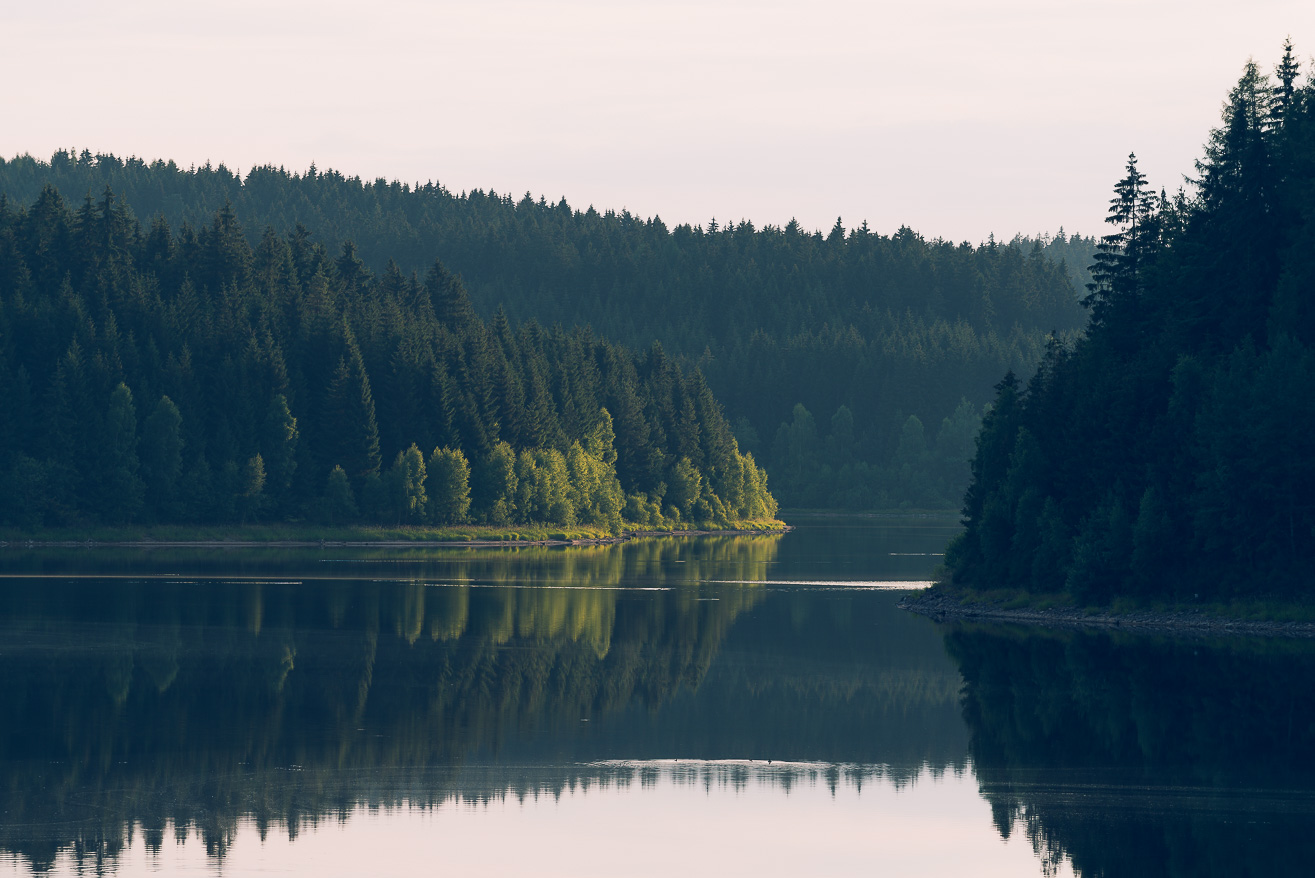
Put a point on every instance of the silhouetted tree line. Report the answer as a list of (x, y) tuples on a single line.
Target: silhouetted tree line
[(1171, 451), (886, 326), (148, 374)]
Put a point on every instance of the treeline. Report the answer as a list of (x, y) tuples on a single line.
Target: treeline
[(154, 375), (887, 326), (1076, 252), (1171, 452), (820, 465)]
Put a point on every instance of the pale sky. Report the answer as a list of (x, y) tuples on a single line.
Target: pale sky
[(955, 117)]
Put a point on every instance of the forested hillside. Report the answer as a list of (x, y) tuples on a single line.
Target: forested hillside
[(887, 342), (160, 375), (1171, 452), (1076, 252)]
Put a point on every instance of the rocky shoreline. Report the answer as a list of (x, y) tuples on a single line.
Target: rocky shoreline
[(943, 608)]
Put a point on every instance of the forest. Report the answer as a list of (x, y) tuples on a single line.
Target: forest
[(1169, 453), (160, 374), (854, 365)]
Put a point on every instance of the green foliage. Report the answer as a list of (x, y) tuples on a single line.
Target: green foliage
[(279, 447), (1101, 553), (1170, 453), (1074, 252), (885, 325), (119, 491), (684, 488), (922, 471), (551, 489), (448, 488), (407, 486), (493, 491), (339, 503), (26, 484), (279, 367), (162, 457), (355, 441), (251, 488)]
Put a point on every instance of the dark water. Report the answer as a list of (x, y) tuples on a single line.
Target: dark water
[(742, 706)]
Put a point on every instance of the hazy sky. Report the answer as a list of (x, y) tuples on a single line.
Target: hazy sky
[(955, 117)]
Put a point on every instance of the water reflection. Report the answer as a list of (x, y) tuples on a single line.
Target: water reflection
[(669, 560), (1135, 755), (195, 692)]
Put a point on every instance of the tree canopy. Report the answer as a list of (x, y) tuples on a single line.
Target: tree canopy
[(886, 326), (152, 374), (1170, 452)]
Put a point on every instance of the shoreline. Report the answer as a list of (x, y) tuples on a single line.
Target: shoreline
[(943, 608), (472, 543)]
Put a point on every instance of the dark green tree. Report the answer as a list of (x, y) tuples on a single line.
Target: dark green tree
[(279, 449), (351, 406), (162, 458), (119, 486)]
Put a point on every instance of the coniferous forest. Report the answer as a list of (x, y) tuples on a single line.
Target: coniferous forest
[(153, 374), (853, 365), (1170, 452)]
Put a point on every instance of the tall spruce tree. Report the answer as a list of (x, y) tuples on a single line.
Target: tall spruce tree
[(119, 488), (162, 458)]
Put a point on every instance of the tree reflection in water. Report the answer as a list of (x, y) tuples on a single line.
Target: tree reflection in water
[(1137, 755), (195, 692)]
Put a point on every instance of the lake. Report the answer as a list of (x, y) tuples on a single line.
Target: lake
[(718, 705)]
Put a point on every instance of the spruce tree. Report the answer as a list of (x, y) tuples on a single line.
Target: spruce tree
[(1285, 91), (1120, 255), (351, 425), (119, 486), (339, 503), (162, 458), (279, 442)]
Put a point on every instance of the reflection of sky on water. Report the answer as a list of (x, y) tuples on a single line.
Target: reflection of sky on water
[(673, 824), (713, 707), (394, 688)]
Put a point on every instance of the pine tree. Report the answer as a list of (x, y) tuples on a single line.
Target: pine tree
[(1284, 93), (162, 458), (339, 504), (279, 448), (119, 487), (353, 430), (1120, 255)]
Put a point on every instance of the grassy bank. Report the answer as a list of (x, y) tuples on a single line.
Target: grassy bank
[(310, 533)]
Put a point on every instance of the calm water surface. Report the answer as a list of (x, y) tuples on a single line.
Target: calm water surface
[(712, 706)]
